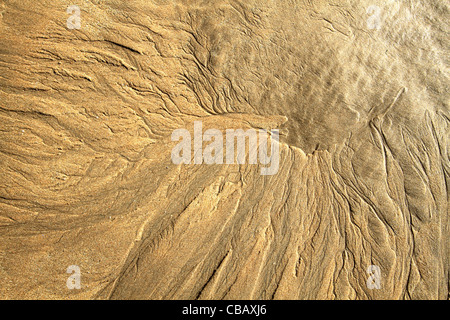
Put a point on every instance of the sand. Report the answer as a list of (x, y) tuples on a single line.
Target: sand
[(358, 206)]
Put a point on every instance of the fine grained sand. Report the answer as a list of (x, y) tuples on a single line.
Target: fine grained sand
[(86, 176)]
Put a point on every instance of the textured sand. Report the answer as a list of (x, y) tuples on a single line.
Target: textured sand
[(86, 176)]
